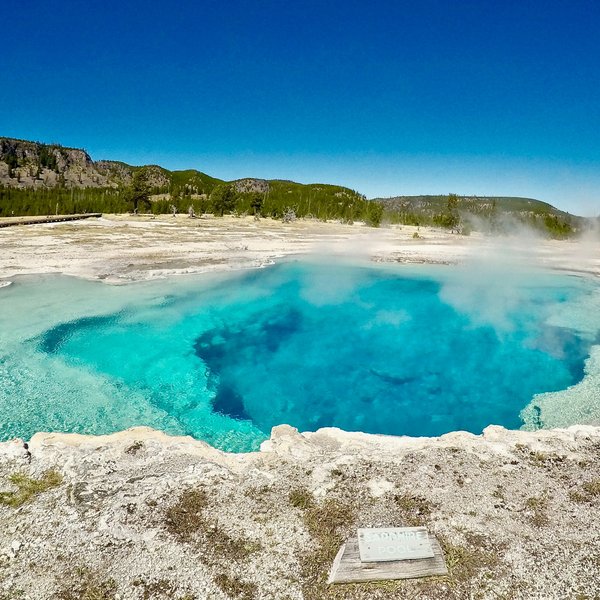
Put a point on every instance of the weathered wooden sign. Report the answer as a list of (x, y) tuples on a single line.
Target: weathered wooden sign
[(349, 567), (384, 544)]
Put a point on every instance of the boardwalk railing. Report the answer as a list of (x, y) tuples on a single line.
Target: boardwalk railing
[(12, 221)]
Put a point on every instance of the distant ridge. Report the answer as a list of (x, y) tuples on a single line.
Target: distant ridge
[(434, 203), (497, 213)]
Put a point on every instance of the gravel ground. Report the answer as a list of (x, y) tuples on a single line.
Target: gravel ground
[(122, 248)]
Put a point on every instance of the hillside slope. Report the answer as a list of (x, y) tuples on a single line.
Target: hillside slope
[(39, 179), (431, 205), (25, 164), (495, 213)]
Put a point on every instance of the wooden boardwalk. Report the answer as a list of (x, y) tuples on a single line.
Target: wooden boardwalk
[(12, 221)]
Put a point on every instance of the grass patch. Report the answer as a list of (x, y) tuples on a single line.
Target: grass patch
[(472, 569), (589, 490), (414, 509), (325, 523), (324, 520), (12, 593), (592, 488), (577, 496), (28, 487), (186, 520), (224, 546), (464, 563), (301, 498), (85, 584), (537, 508), (539, 458), (161, 588), (234, 586)]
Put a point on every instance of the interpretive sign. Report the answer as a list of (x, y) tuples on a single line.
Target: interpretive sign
[(385, 544), (349, 568)]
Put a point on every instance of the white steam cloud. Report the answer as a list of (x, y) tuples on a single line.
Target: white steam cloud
[(493, 280)]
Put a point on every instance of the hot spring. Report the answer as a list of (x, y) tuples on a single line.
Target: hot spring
[(415, 351)]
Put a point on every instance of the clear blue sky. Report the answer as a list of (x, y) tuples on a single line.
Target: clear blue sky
[(388, 97)]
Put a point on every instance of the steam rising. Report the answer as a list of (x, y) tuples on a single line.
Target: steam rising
[(493, 281)]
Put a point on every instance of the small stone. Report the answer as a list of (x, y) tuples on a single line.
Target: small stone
[(379, 487)]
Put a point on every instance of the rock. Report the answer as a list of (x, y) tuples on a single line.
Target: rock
[(13, 450), (250, 185), (379, 487), (286, 440)]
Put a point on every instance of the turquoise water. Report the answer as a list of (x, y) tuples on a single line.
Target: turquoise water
[(225, 358)]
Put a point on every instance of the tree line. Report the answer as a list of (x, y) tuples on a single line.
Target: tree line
[(281, 198)]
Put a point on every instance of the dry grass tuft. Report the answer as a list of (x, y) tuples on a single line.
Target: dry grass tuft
[(234, 586), (85, 584), (537, 511), (592, 488), (186, 520), (301, 498), (415, 509), (162, 589), (222, 545), (589, 490), (135, 447), (464, 563), (325, 523)]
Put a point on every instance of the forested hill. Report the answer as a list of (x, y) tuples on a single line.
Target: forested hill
[(476, 204), (480, 212), (43, 179), (40, 179)]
